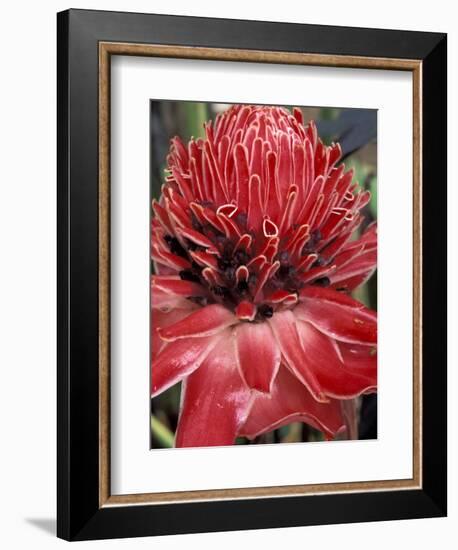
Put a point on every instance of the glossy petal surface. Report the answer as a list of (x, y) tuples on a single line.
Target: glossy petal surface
[(334, 377), (257, 354), (290, 402), (179, 359), (203, 322), (285, 331), (338, 316), (215, 401)]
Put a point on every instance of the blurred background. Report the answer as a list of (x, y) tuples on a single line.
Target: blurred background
[(356, 131)]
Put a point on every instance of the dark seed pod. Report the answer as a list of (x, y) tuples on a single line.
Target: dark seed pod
[(188, 275), (323, 281), (265, 310)]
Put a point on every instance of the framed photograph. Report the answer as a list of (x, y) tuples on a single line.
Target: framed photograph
[(252, 275)]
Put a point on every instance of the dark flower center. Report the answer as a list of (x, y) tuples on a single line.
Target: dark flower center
[(230, 288)]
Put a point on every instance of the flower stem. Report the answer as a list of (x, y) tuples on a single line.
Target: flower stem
[(161, 433)]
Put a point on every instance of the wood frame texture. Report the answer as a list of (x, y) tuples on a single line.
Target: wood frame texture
[(106, 51), (83, 352)]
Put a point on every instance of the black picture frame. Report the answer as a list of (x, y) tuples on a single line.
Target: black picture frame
[(80, 516)]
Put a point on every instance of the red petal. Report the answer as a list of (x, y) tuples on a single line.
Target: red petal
[(257, 263), (206, 215), (196, 237), (162, 216), (285, 164), (273, 192), (269, 228), (175, 285), (299, 167), (287, 216), (309, 166), (244, 242), (334, 154), (242, 274), (242, 175), (360, 358), (281, 296), (333, 375), (230, 228), (178, 217), (246, 311), (256, 158), (204, 322), (306, 262), (291, 402), (255, 210), (323, 293), (267, 271), (297, 113), (317, 273), (353, 282), (196, 174), (215, 401), (365, 263), (228, 209), (213, 277), (284, 328), (162, 319), (348, 255), (183, 184), (170, 260), (270, 250), (204, 259), (178, 360), (219, 187), (169, 291), (337, 315), (165, 301), (257, 354)]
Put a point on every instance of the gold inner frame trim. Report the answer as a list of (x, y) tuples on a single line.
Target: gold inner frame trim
[(106, 50)]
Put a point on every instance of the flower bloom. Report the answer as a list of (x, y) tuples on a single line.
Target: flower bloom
[(255, 256)]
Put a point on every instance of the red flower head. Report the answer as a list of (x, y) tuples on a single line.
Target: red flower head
[(254, 259)]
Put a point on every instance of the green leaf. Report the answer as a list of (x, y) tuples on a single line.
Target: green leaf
[(195, 115), (366, 178), (294, 434), (329, 113), (373, 190)]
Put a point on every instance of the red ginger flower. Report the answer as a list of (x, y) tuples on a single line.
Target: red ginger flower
[(254, 259)]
